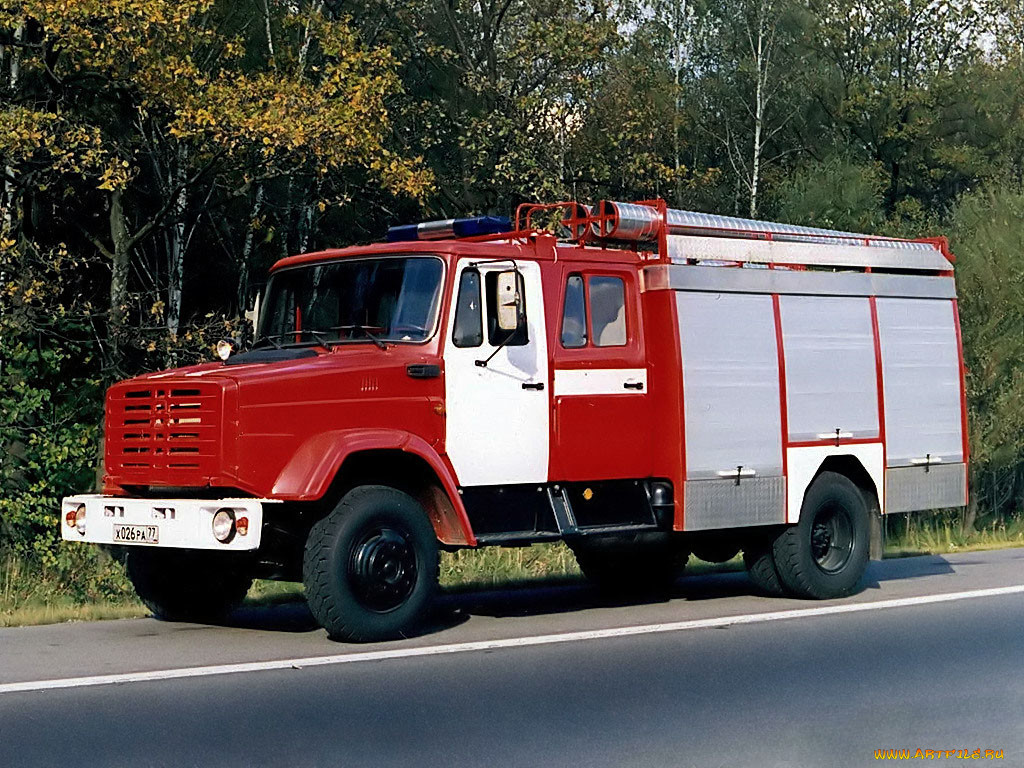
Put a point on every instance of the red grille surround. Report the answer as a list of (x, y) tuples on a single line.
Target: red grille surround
[(163, 433)]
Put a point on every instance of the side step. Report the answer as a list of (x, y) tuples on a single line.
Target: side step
[(564, 517)]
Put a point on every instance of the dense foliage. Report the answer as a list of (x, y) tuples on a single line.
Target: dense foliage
[(156, 157)]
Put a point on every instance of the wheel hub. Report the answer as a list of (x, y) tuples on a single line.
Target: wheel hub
[(382, 569), (832, 539)]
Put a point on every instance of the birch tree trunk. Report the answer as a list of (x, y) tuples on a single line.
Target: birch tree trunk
[(679, 56), (7, 202), (761, 51), (246, 260), (176, 244), (120, 261)]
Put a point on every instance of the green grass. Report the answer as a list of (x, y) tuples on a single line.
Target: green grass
[(941, 533), (30, 597)]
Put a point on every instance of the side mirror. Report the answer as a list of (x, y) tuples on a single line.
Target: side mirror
[(510, 303), (253, 315)]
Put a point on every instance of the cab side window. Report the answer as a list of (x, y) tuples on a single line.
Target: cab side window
[(603, 298), (574, 316), (468, 328), (608, 310)]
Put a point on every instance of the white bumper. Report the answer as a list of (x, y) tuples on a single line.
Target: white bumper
[(181, 523)]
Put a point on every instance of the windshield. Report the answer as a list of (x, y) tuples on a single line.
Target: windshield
[(377, 300)]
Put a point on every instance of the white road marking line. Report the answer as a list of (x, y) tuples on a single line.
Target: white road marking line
[(510, 642)]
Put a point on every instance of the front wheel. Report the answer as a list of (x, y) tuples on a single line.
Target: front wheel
[(185, 585), (371, 566), (826, 553)]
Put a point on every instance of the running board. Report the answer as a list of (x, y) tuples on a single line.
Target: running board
[(548, 511), (537, 537)]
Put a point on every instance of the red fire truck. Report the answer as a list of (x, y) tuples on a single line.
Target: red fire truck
[(651, 384)]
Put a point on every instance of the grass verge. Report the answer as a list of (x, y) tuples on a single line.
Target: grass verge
[(29, 597)]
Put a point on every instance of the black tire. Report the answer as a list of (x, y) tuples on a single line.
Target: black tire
[(371, 566), (760, 563), (623, 568), (826, 553), (186, 585)]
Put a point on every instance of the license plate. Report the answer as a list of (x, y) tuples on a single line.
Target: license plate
[(137, 534)]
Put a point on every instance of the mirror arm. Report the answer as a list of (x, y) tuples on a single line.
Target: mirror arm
[(486, 262), (497, 349)]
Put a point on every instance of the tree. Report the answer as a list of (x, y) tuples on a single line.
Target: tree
[(494, 91), (884, 74), (836, 193), (183, 119), (752, 72), (988, 241)]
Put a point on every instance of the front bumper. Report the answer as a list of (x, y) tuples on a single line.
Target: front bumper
[(179, 523)]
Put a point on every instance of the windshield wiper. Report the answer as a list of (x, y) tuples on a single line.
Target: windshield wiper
[(364, 330), (271, 339), (319, 338)]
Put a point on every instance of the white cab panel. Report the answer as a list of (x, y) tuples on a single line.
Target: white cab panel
[(600, 381), (497, 432), (730, 384), (831, 381), (921, 380), (802, 465)]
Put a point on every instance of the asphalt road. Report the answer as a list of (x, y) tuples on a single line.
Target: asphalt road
[(928, 656)]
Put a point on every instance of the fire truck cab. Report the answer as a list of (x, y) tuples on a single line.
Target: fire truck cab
[(656, 384)]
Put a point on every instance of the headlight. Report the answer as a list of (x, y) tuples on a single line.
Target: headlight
[(80, 519), (224, 525), (224, 349)]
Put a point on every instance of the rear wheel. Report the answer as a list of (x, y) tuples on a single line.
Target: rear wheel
[(826, 553), (184, 585), (760, 563), (371, 566)]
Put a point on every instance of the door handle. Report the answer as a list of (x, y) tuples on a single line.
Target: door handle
[(633, 385), (533, 385), (423, 371)]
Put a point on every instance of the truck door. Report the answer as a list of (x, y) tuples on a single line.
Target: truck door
[(601, 405), (496, 382)]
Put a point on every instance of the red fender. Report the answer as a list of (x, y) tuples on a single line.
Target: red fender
[(309, 473)]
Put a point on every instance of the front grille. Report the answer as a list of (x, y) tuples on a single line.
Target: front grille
[(163, 434)]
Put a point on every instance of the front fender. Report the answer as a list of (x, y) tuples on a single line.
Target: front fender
[(316, 463)]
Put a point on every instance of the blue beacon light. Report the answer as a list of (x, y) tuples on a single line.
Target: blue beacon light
[(450, 228)]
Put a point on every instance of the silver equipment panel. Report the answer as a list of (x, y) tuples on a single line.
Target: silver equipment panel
[(912, 489), (831, 379), (730, 385), (921, 381), (726, 504)]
